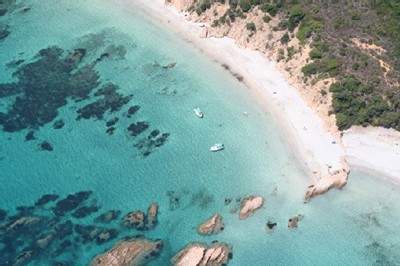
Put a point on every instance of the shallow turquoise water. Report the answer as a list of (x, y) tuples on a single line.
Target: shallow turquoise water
[(356, 226)]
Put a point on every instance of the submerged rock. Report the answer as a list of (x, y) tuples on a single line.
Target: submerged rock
[(58, 124), (45, 146), (46, 199), (3, 214), (132, 110), (108, 216), (213, 225), (137, 128), (250, 205), (129, 252), (71, 202), (30, 136), (195, 254), (270, 227), (84, 211)]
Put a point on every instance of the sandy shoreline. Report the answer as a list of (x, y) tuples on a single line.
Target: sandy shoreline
[(321, 155)]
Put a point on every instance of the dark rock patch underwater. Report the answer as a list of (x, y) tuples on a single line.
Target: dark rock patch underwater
[(53, 229), (55, 77)]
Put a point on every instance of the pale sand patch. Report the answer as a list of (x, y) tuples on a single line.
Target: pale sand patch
[(375, 148), (321, 152)]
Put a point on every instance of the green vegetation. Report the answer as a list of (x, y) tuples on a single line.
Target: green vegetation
[(267, 19), (271, 9), (365, 93), (307, 27), (285, 38), (251, 26), (358, 104)]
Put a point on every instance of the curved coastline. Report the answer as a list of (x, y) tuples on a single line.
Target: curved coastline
[(322, 154)]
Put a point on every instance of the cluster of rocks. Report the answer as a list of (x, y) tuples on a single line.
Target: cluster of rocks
[(198, 254), (247, 206), (51, 228), (129, 252), (141, 221)]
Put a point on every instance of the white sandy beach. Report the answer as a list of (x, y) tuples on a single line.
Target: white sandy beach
[(319, 152)]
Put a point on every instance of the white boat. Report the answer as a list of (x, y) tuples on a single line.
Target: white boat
[(198, 112), (217, 147)]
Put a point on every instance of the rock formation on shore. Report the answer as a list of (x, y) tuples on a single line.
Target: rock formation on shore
[(129, 253), (214, 225), (336, 179), (250, 205), (197, 254)]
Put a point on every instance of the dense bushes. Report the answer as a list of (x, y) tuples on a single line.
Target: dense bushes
[(307, 27), (365, 92), (356, 103)]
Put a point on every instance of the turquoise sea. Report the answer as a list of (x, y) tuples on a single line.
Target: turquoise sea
[(90, 108)]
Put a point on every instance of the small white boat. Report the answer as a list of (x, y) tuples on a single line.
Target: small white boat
[(198, 112), (217, 147)]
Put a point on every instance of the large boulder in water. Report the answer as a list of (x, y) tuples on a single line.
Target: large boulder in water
[(250, 205), (129, 253), (200, 254), (214, 225)]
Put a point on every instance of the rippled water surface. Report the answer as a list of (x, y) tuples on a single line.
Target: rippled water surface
[(89, 108)]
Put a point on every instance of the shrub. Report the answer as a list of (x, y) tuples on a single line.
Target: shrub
[(285, 38), (330, 66), (296, 15), (251, 26), (315, 53), (267, 19), (309, 69), (272, 9), (307, 27), (245, 5)]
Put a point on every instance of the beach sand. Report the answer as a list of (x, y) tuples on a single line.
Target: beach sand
[(322, 154)]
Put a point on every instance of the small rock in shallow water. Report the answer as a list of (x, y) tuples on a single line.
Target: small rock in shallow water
[(30, 136), (270, 226), (45, 146), (58, 124)]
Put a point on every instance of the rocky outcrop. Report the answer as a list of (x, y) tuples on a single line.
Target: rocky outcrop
[(141, 221), (129, 253), (152, 216), (197, 254), (250, 205), (336, 179), (294, 220), (134, 219), (214, 225)]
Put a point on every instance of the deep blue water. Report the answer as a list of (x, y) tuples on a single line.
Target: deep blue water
[(92, 108)]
